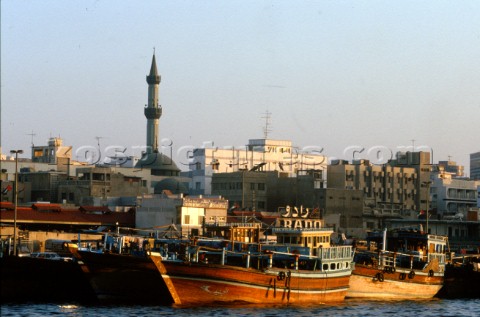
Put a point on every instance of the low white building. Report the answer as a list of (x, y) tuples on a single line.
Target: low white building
[(187, 213)]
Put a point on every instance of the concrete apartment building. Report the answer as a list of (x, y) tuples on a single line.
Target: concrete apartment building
[(384, 186), (398, 189), (475, 166), (258, 155), (452, 197), (99, 186), (269, 190)]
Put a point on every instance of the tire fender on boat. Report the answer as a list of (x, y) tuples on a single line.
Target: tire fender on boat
[(379, 276), (411, 274), (430, 273)]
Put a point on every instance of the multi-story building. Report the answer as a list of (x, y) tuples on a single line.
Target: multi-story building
[(267, 191), (384, 186), (452, 197), (475, 166), (43, 185), (258, 155), (98, 185)]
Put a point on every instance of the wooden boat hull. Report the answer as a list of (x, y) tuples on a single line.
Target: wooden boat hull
[(196, 284), (26, 279), (461, 281), (365, 283), (123, 278)]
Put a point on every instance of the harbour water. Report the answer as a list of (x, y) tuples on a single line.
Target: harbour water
[(434, 307)]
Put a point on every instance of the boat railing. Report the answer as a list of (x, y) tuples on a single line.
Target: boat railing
[(334, 253), (383, 259), (441, 257), (270, 258)]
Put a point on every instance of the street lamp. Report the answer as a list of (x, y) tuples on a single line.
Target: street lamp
[(427, 184), (16, 152)]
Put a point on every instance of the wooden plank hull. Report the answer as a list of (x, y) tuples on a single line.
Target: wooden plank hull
[(364, 283), (195, 283), (26, 279), (123, 278)]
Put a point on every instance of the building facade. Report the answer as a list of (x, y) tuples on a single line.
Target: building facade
[(187, 213), (452, 198), (384, 186), (259, 155), (54, 153), (98, 185), (475, 165)]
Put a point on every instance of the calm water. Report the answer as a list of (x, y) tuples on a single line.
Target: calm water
[(432, 308)]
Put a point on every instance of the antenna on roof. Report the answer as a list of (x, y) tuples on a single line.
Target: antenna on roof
[(266, 129), (32, 135)]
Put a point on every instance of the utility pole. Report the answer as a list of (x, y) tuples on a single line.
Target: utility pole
[(16, 152)]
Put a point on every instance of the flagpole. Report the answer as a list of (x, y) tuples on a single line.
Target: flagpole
[(16, 152)]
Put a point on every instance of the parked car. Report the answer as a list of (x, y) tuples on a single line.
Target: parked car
[(51, 256)]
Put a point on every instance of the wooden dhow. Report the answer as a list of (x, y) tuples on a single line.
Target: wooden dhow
[(301, 268), (407, 264)]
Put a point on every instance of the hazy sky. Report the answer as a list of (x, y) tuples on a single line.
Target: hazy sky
[(335, 75)]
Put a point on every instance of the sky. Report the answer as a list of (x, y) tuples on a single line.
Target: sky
[(350, 79)]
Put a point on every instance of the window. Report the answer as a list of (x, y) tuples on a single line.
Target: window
[(186, 219), (261, 186), (198, 185), (71, 197), (252, 186)]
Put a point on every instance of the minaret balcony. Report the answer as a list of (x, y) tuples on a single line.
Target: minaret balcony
[(153, 113), (153, 80)]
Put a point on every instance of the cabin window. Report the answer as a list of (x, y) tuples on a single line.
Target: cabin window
[(325, 267), (346, 265), (332, 266)]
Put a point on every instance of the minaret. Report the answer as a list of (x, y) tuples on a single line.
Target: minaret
[(153, 110)]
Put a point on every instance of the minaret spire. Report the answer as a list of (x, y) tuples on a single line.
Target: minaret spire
[(153, 110)]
